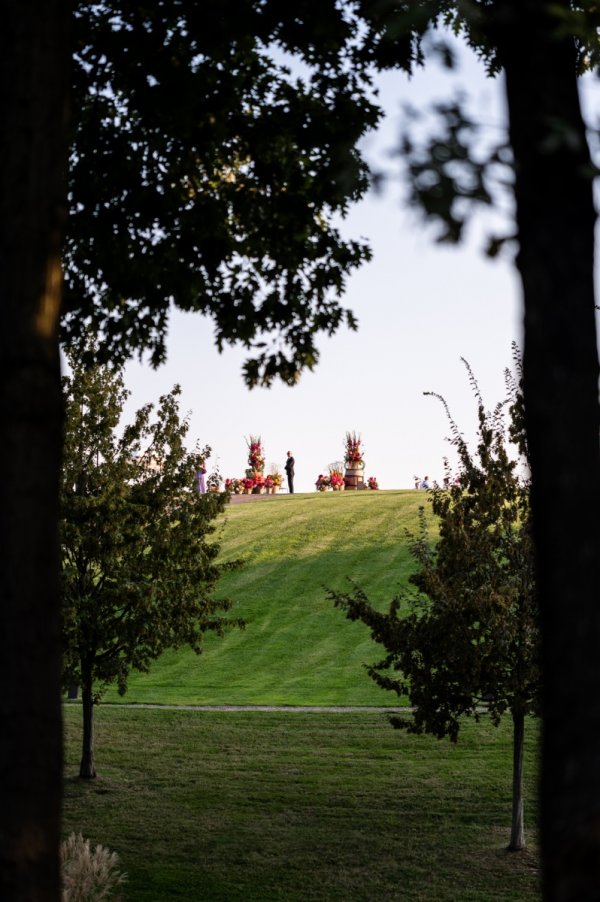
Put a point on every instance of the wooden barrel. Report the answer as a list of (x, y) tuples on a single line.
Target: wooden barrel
[(353, 478)]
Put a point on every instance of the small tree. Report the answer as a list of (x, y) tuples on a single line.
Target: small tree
[(137, 569), (469, 642)]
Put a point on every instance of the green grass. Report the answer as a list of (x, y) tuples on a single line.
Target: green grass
[(296, 649), (295, 806)]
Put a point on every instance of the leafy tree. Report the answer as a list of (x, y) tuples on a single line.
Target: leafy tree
[(540, 46), (469, 641), (201, 175), (138, 570), (205, 175)]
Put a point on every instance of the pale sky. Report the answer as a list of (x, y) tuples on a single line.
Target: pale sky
[(420, 306)]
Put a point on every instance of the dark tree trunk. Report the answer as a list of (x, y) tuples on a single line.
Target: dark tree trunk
[(517, 828), (555, 216), (87, 768), (33, 87)]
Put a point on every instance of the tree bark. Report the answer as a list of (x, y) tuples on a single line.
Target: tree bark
[(33, 89), (556, 219), (87, 768), (517, 829)]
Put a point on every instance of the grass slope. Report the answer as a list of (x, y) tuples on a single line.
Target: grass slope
[(296, 649), (295, 806)]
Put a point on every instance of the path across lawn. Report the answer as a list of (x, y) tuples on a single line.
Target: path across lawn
[(292, 709)]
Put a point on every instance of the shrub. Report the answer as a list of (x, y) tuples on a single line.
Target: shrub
[(88, 876)]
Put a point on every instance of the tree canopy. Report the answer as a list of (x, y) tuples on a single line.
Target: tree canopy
[(207, 175)]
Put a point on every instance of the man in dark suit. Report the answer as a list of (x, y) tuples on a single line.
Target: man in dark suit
[(289, 469)]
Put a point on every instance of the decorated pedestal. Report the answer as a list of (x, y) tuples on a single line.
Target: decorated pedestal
[(354, 477)]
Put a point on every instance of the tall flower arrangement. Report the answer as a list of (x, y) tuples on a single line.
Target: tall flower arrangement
[(354, 451), (256, 455), (255, 482)]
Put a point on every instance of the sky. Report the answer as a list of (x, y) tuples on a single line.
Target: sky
[(421, 306)]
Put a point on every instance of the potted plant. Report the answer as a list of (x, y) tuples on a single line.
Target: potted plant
[(323, 483), (276, 479), (336, 476)]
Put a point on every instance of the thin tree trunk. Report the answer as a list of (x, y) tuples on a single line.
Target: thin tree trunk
[(556, 218), (87, 768), (33, 87), (517, 829)]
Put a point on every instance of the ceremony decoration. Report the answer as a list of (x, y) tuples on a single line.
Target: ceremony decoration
[(353, 456), (372, 483), (336, 477), (254, 481), (256, 456), (354, 460), (276, 478)]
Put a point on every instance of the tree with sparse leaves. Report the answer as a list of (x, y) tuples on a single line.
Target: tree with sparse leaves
[(468, 641), (138, 569)]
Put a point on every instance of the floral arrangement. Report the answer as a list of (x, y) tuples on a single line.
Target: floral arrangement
[(323, 483), (336, 476), (276, 478), (354, 450), (372, 483), (255, 481), (336, 481), (256, 456)]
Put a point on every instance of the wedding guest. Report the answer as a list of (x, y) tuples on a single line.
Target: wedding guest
[(200, 481), (289, 469), (425, 483)]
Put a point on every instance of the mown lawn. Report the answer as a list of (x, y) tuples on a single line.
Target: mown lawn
[(296, 649), (295, 806)]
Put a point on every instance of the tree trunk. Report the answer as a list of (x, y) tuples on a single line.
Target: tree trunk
[(33, 88), (556, 218), (517, 830), (87, 768)]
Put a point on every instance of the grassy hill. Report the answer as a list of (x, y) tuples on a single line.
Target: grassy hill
[(296, 649)]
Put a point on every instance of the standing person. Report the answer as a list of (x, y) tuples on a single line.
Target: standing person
[(200, 481), (289, 469)]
